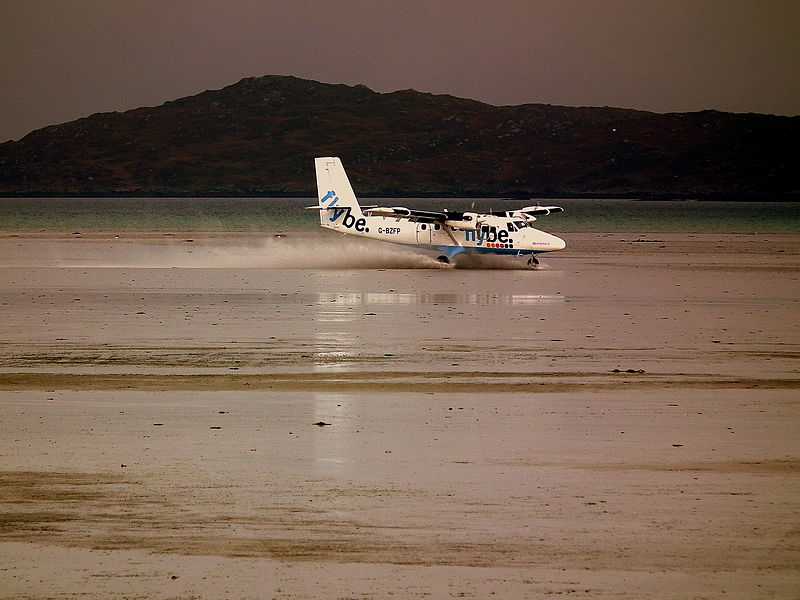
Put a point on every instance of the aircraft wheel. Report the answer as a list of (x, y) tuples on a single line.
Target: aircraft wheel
[(532, 261), (443, 259)]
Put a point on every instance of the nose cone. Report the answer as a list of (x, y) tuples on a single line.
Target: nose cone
[(556, 243)]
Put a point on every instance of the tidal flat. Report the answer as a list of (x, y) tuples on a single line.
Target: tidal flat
[(204, 415)]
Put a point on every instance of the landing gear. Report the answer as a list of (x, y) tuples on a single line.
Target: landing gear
[(532, 262), (443, 259)]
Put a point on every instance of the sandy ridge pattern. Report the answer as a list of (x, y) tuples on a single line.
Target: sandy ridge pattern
[(190, 420), (478, 383)]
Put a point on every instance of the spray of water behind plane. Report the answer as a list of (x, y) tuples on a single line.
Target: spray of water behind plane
[(310, 251)]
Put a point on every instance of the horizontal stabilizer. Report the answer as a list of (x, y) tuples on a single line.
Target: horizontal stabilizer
[(386, 211), (401, 212), (323, 208)]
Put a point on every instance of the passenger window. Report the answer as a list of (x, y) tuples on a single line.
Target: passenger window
[(436, 227), (423, 226)]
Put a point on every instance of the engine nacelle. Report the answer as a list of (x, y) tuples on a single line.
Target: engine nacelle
[(461, 225), (491, 220), (467, 222), (522, 216)]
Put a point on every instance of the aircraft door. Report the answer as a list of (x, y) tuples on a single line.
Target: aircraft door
[(423, 233)]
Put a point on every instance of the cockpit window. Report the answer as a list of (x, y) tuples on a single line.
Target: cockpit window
[(520, 224), (511, 227)]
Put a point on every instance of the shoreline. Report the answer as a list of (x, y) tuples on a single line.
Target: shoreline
[(721, 196)]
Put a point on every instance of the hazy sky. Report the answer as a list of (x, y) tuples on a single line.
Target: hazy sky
[(62, 59)]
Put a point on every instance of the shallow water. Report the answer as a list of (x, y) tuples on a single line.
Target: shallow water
[(310, 412), (277, 214)]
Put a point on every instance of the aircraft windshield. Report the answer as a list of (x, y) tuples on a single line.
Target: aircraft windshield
[(520, 224)]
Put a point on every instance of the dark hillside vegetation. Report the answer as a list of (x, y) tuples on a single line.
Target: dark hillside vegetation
[(259, 136)]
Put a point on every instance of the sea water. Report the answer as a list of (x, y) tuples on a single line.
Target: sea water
[(287, 214)]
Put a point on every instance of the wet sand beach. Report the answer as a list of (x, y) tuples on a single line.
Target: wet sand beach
[(246, 416)]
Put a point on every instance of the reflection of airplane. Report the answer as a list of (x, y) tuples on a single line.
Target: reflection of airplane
[(448, 234)]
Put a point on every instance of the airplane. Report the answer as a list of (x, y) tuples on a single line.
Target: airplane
[(446, 234)]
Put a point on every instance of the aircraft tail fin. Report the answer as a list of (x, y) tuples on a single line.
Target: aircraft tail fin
[(334, 192)]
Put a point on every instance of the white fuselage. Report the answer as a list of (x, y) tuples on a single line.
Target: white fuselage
[(502, 236)]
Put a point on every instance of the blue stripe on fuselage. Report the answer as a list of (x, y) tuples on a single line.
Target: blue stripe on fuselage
[(481, 250)]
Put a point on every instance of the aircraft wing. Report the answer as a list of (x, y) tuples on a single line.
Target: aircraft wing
[(318, 207), (540, 210), (401, 212)]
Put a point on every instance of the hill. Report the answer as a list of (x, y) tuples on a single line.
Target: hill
[(259, 136)]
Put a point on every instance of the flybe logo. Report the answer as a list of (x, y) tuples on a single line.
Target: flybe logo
[(327, 197), (329, 201), (491, 238)]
